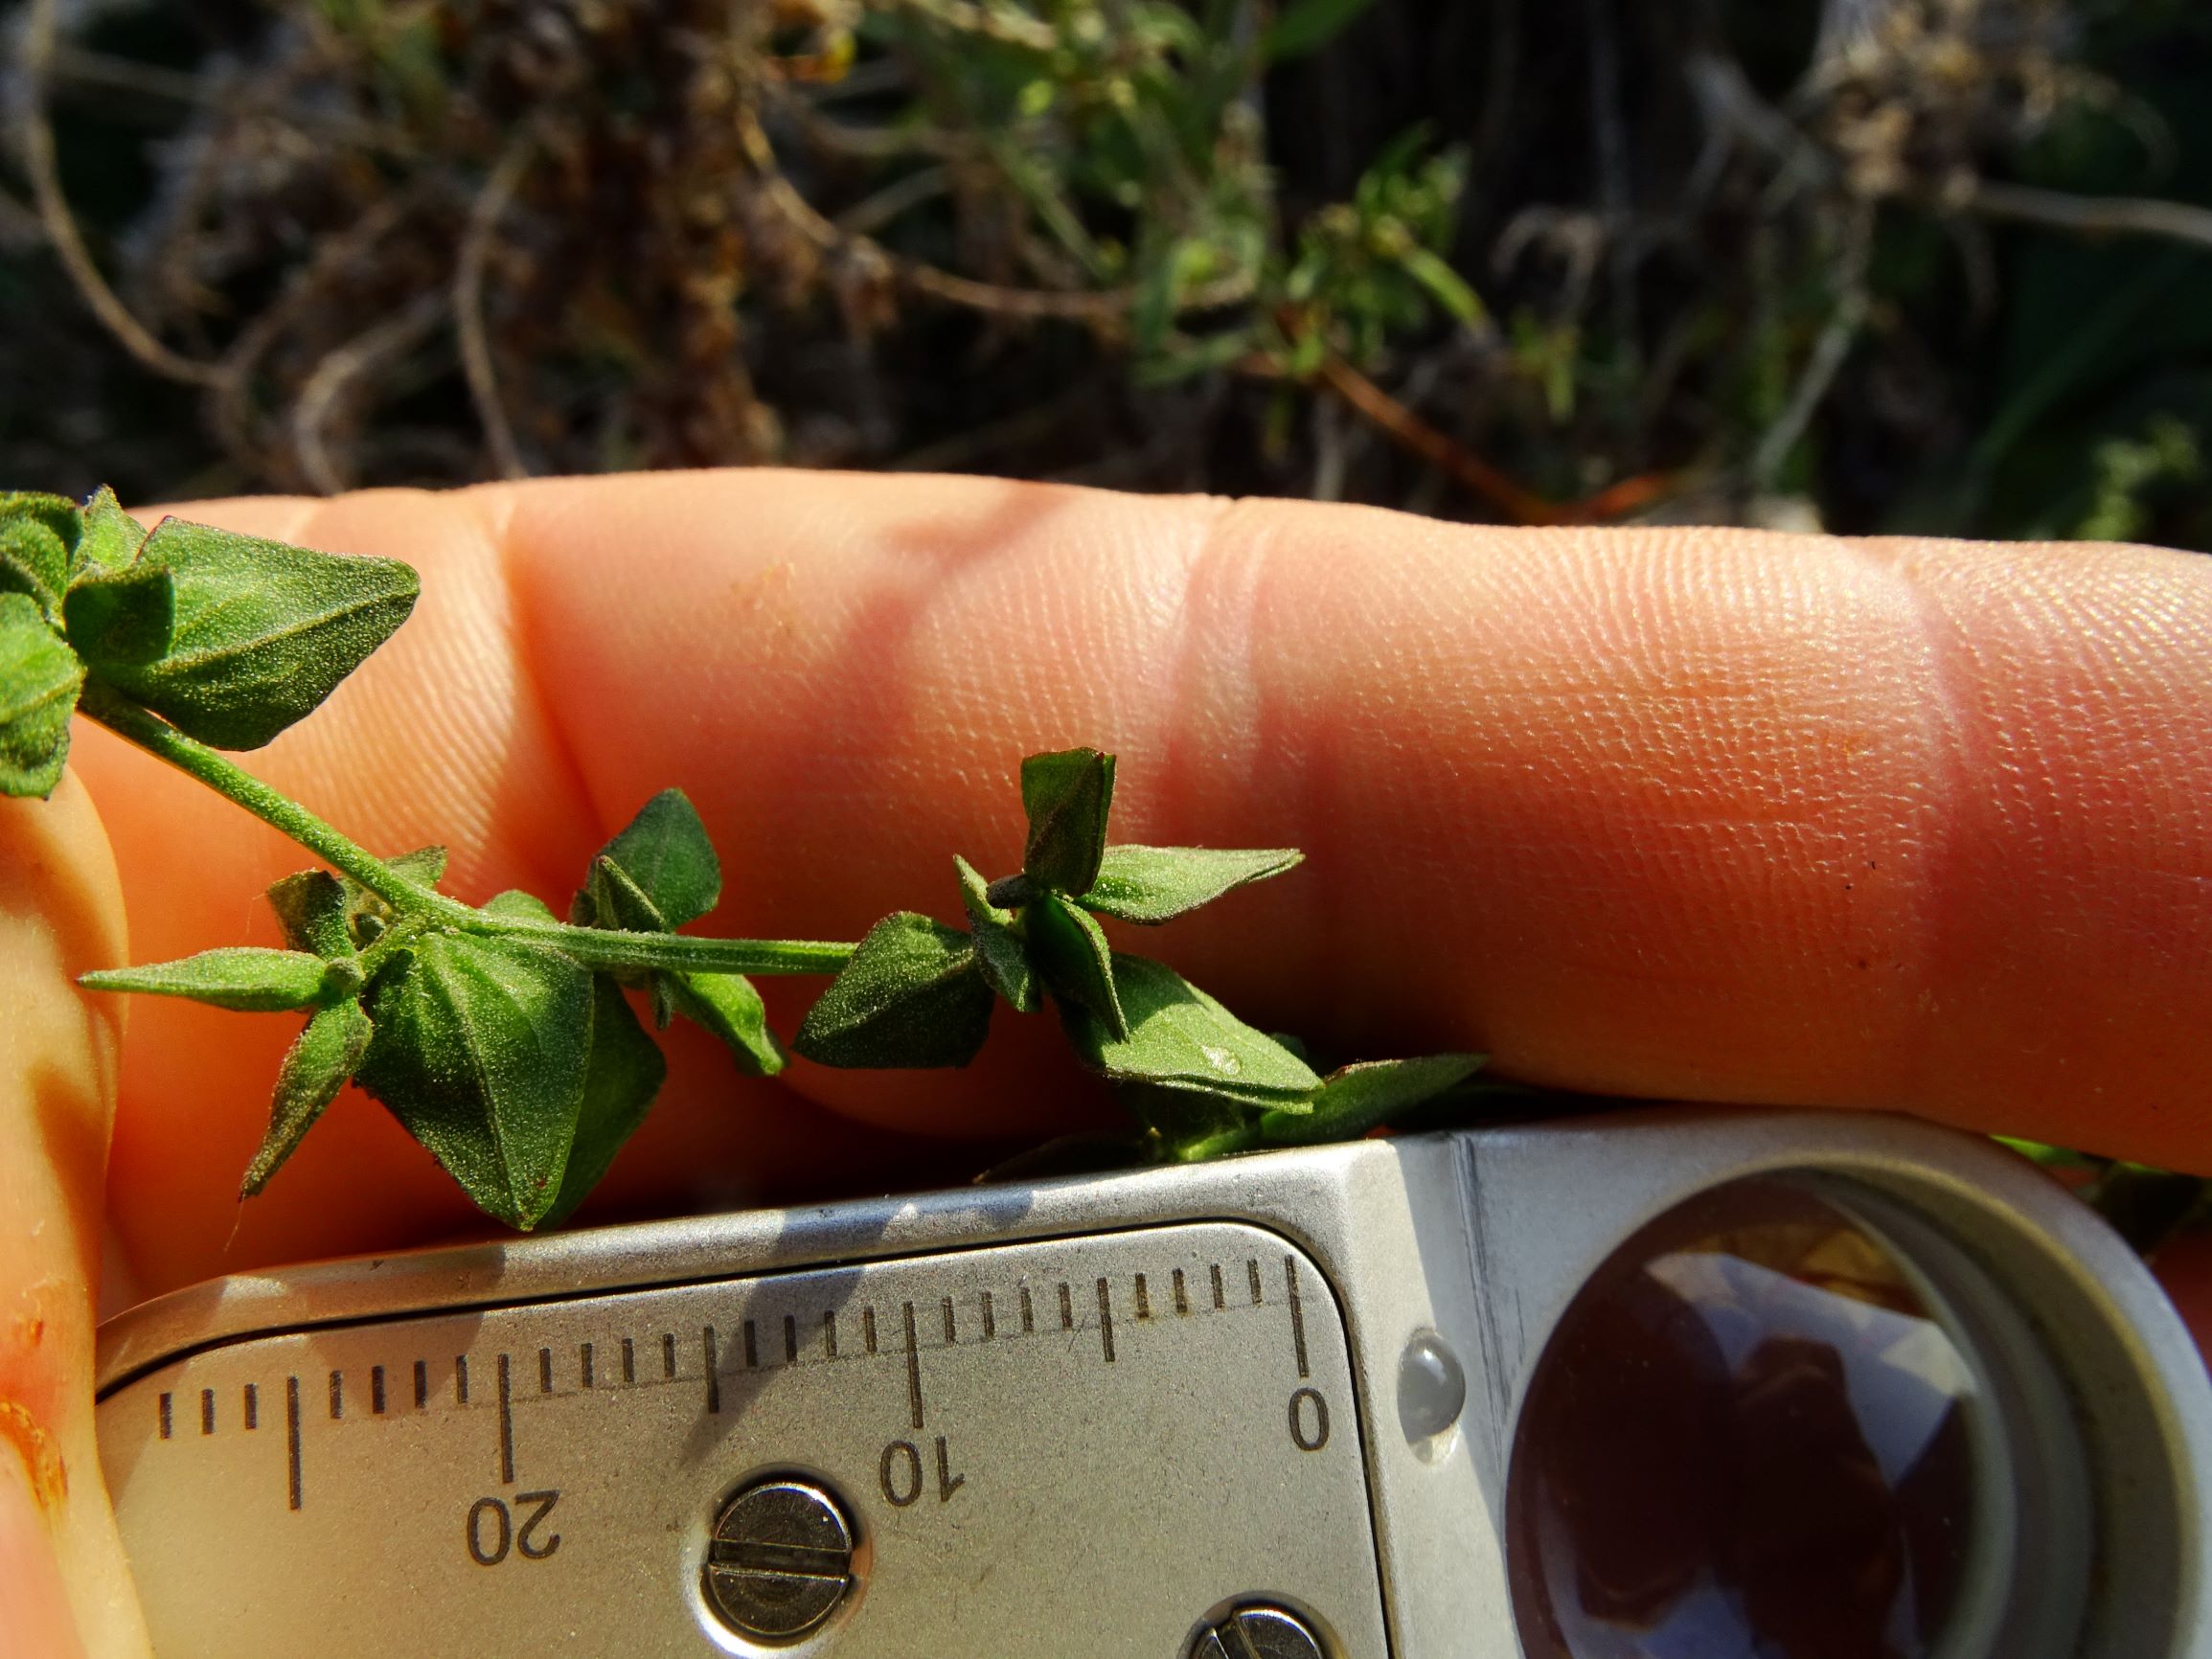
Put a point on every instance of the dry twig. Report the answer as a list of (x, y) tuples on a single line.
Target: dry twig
[(476, 364)]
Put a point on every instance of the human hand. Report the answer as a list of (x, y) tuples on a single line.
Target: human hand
[(1680, 813)]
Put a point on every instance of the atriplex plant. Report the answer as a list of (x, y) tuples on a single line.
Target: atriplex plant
[(498, 1034)]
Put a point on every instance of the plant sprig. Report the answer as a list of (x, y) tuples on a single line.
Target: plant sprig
[(500, 1036)]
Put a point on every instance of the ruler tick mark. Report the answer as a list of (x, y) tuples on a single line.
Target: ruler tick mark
[(1066, 1307), (990, 1321), (461, 1379), (1182, 1295), (1220, 1300), (376, 1390), (828, 1334), (292, 1440), (629, 1361), (868, 1328), (952, 1335), (586, 1367), (791, 1339), (714, 1367), (913, 1367), (1297, 1314), (337, 1394), (1106, 1321), (167, 1427), (1144, 1298), (1028, 1314), (506, 1426), (207, 1411), (545, 1370), (667, 1356), (253, 1404), (752, 1347), (421, 1383), (1252, 1275)]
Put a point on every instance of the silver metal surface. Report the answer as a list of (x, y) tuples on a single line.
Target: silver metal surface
[(1259, 1633), (588, 1402), (780, 1560)]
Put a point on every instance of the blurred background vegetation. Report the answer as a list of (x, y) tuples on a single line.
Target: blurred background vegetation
[(1867, 265)]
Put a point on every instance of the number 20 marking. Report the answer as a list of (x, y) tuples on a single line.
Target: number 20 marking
[(491, 1530)]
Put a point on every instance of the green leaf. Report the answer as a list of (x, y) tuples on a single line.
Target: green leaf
[(321, 1060), (1068, 795), (121, 618), (40, 679), (424, 866), (665, 852), (246, 978), (1155, 884), (1306, 26), (522, 906), (109, 539), (1444, 285), (312, 911), (611, 899), (728, 1005), (1000, 948), (1180, 1037), (912, 995), (481, 1050), (37, 532), (1072, 954), (1355, 1099), (620, 1081), (264, 632)]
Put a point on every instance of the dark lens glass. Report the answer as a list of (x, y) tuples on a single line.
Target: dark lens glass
[(1750, 1439)]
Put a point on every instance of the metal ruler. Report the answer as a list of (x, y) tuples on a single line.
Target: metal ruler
[(1265, 1409)]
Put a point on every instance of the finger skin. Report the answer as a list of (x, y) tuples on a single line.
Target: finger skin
[(1700, 814), (60, 915)]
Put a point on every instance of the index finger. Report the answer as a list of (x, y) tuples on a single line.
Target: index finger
[(1698, 814)]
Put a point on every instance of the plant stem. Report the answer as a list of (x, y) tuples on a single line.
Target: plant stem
[(164, 742), (594, 947), (602, 947)]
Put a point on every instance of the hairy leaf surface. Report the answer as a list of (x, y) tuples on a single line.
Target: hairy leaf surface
[(481, 1050), (1000, 948), (913, 994), (322, 1058), (40, 679), (623, 1076), (1068, 795), (264, 633), (1180, 1037), (1155, 884), (245, 978)]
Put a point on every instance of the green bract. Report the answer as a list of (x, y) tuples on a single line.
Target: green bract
[(503, 1038), (39, 678), (480, 1049), (264, 632), (913, 995), (321, 1061)]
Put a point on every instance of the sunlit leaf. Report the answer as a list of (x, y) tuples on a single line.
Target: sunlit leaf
[(1180, 1037), (1000, 948), (1071, 952), (1154, 884), (320, 1061), (263, 631), (480, 1051), (728, 1005), (246, 978), (1356, 1098), (40, 679), (913, 994), (1068, 795)]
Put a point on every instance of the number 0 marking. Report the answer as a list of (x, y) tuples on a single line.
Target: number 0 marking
[(1301, 1437)]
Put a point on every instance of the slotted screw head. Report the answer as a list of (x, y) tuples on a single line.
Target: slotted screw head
[(1259, 1631), (781, 1560)]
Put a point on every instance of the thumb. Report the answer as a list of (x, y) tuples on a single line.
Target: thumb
[(63, 1588)]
